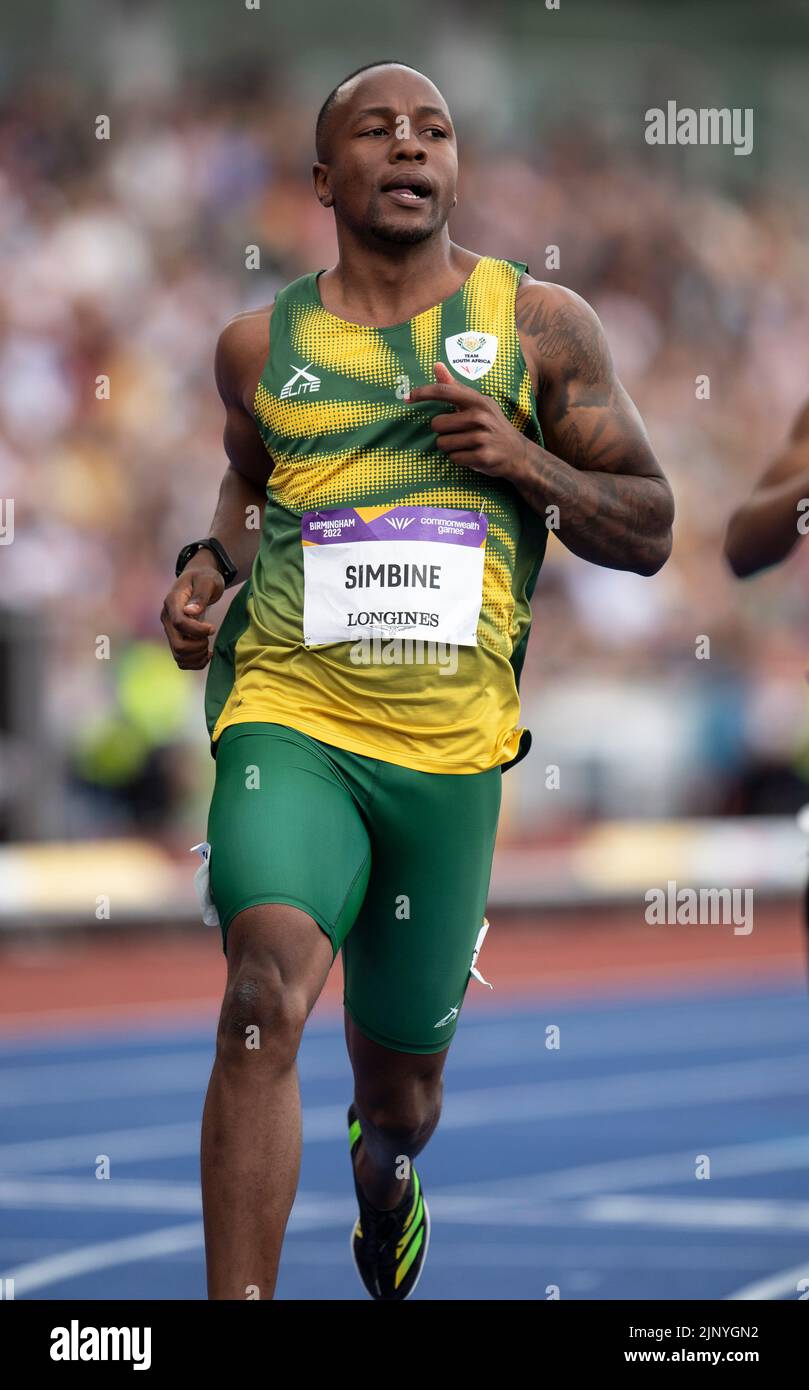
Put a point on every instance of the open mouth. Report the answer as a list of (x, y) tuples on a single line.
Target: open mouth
[(409, 192)]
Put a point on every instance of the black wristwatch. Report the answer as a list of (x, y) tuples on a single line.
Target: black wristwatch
[(223, 560)]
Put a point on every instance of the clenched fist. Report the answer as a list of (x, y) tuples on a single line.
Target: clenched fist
[(184, 607)]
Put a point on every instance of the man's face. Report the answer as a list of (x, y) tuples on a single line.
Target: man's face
[(392, 163)]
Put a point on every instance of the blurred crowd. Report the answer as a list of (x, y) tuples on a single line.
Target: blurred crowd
[(122, 259)]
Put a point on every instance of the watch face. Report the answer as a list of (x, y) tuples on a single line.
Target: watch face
[(185, 555)]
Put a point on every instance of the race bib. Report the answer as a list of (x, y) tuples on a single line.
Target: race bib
[(392, 571)]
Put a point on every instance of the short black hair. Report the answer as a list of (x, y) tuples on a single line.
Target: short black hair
[(328, 105)]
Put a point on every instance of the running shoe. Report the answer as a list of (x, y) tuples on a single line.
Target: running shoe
[(389, 1247)]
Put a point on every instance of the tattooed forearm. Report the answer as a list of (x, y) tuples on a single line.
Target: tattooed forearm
[(603, 440), (597, 467), (619, 520)]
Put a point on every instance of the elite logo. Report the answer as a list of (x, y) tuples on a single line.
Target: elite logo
[(471, 354), (473, 970), (297, 387)]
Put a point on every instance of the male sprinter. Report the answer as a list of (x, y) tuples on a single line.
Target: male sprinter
[(358, 771)]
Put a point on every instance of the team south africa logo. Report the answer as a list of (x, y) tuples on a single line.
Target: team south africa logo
[(471, 354)]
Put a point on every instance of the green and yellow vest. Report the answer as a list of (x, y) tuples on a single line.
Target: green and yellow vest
[(343, 442)]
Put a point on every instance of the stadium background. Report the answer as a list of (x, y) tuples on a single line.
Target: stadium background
[(124, 258)]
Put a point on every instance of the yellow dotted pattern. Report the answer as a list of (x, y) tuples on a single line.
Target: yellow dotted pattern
[(522, 414), (327, 453), (303, 480), (350, 349), (341, 477), (425, 331), (489, 304), (302, 419), (337, 479)]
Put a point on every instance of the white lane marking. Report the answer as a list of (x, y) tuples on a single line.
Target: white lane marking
[(24, 1029), (88, 1259), (75, 1194), (535, 1198), (313, 1212), (708, 1213), (320, 1211), (773, 1286), (187, 1071), (616, 1094), (620, 1093), (592, 1017), (509, 1046), (310, 1213), (649, 1170), (727, 1215), (80, 1150), (67, 1083)]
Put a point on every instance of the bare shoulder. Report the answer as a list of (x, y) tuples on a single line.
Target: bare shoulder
[(241, 352), (561, 332), (550, 294)]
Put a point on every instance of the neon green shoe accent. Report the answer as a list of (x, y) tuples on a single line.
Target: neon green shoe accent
[(416, 1195), (409, 1258), (354, 1134), (405, 1241)]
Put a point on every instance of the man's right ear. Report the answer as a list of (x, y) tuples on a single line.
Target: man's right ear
[(320, 179)]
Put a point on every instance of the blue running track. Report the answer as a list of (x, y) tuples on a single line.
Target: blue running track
[(571, 1168)]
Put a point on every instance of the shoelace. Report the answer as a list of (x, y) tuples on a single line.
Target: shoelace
[(379, 1227)]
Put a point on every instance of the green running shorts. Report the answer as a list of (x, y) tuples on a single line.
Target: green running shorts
[(392, 864)]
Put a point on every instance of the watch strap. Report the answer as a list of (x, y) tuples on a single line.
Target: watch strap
[(224, 563)]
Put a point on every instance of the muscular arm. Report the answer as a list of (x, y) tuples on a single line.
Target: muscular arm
[(240, 355), (615, 505), (765, 529)]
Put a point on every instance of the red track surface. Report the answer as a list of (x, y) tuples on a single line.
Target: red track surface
[(79, 982)]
